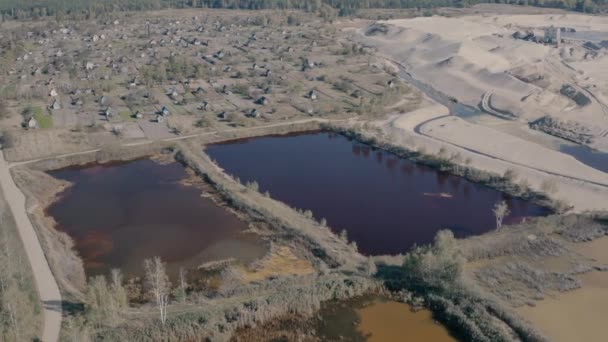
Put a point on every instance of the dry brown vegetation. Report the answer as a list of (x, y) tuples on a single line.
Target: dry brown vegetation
[(225, 75)]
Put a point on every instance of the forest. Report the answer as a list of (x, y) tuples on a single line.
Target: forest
[(20, 9)]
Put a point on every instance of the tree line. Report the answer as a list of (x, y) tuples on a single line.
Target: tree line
[(20, 9)]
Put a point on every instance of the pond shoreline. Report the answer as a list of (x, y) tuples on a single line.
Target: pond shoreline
[(346, 264), (443, 164)]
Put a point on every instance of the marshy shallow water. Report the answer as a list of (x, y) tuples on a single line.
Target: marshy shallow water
[(118, 214), (385, 203), (378, 320)]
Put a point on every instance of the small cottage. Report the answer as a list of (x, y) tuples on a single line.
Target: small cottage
[(32, 123), (263, 101), (312, 95), (56, 105)]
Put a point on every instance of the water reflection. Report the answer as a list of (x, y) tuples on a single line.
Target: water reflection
[(383, 211), (119, 214)]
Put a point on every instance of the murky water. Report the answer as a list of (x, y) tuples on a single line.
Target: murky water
[(120, 214), (386, 204), (586, 155), (378, 320)]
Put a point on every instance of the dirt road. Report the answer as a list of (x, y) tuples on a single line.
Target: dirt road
[(45, 282)]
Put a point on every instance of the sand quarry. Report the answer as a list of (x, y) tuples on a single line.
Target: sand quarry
[(476, 60)]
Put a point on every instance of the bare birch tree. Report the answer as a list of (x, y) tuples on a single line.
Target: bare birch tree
[(501, 210), (119, 294), (179, 293), (158, 285)]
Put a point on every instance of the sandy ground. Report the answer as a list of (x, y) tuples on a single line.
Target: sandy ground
[(510, 148), (484, 147), (45, 282), (578, 315), (469, 56)]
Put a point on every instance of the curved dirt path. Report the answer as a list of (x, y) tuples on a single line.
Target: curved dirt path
[(45, 281), (418, 127)]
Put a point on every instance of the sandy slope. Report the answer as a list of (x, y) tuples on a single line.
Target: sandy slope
[(45, 282), (409, 130), (510, 148), (471, 55), (578, 315)]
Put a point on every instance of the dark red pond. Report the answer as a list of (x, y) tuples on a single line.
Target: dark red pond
[(122, 213), (385, 203)]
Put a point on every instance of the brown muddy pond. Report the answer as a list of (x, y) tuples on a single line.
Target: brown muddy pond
[(378, 320), (385, 203), (119, 214)]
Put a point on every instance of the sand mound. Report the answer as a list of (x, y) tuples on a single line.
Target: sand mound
[(469, 56)]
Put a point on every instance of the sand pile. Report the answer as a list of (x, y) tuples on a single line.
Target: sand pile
[(470, 57)]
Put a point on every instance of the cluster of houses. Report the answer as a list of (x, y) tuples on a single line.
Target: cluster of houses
[(90, 56)]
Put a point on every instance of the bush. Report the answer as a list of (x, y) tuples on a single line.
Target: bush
[(437, 266)]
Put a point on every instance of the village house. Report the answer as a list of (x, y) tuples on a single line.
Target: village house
[(263, 101), (173, 94), (56, 105), (312, 95), (32, 123), (77, 102)]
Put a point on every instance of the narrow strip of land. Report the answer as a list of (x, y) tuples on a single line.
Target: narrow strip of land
[(45, 282), (418, 130), (178, 138)]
